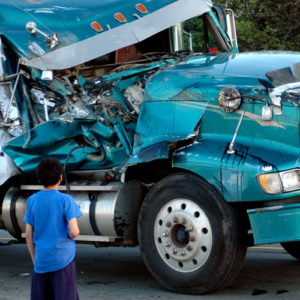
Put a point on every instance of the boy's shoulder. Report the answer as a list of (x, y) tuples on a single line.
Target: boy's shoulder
[(64, 195), (34, 196), (49, 193)]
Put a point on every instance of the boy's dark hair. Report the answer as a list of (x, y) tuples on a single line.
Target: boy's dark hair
[(49, 171)]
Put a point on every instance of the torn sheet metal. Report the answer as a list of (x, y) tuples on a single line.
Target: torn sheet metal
[(163, 124), (276, 93), (57, 139), (284, 82)]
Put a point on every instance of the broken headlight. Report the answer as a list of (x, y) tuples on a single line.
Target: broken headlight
[(280, 182)]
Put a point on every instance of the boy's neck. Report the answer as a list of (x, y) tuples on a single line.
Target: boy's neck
[(52, 187)]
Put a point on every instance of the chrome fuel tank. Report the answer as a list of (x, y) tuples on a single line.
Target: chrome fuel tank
[(110, 211)]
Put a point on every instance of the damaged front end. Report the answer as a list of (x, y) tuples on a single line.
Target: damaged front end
[(10, 121), (93, 119), (75, 92)]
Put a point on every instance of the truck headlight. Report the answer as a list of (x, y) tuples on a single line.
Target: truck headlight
[(290, 180), (282, 182)]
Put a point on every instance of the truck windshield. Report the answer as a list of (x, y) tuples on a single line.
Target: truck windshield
[(198, 34)]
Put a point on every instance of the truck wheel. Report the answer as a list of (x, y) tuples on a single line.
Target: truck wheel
[(292, 248), (189, 236)]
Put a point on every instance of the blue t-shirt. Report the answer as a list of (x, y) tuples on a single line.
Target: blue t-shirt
[(48, 212)]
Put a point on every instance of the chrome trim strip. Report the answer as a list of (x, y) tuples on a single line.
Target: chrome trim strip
[(73, 188), (90, 238)]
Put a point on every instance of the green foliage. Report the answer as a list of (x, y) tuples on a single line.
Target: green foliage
[(195, 27), (266, 24)]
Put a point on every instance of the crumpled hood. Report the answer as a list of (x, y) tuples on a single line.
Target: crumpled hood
[(197, 76), (71, 20)]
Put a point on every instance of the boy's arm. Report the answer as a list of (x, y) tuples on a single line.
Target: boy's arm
[(29, 241), (74, 229)]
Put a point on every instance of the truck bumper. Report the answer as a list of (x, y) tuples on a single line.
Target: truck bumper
[(275, 224)]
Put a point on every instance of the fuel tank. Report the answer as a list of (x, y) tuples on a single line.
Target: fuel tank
[(109, 210)]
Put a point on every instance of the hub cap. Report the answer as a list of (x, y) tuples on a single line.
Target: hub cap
[(183, 235)]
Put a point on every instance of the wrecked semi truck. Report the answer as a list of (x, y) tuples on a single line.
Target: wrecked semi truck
[(170, 138)]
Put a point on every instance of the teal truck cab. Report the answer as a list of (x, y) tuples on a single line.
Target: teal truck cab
[(170, 138)]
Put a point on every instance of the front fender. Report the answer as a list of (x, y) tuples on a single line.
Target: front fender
[(163, 125), (235, 176)]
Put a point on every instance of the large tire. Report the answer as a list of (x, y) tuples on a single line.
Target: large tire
[(189, 236), (292, 248)]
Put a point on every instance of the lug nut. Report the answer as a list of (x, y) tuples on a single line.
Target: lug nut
[(189, 248), (174, 251), (167, 244), (182, 253), (169, 224), (189, 228), (165, 234), (175, 220)]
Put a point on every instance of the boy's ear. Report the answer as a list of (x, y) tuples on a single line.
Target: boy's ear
[(60, 178)]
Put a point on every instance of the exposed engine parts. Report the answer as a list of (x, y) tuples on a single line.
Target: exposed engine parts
[(93, 99), (9, 113), (135, 96)]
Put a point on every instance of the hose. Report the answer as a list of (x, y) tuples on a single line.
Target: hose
[(65, 165)]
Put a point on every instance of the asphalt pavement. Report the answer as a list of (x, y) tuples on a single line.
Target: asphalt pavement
[(119, 273)]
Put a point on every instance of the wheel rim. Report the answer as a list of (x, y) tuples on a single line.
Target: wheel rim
[(183, 235)]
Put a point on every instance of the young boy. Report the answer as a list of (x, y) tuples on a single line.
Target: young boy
[(51, 226)]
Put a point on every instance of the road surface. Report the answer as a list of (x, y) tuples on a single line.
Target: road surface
[(119, 273)]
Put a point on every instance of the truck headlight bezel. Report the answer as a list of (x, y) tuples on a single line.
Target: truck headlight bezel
[(280, 182)]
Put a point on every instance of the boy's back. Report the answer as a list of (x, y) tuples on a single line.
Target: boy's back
[(51, 226), (48, 212)]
